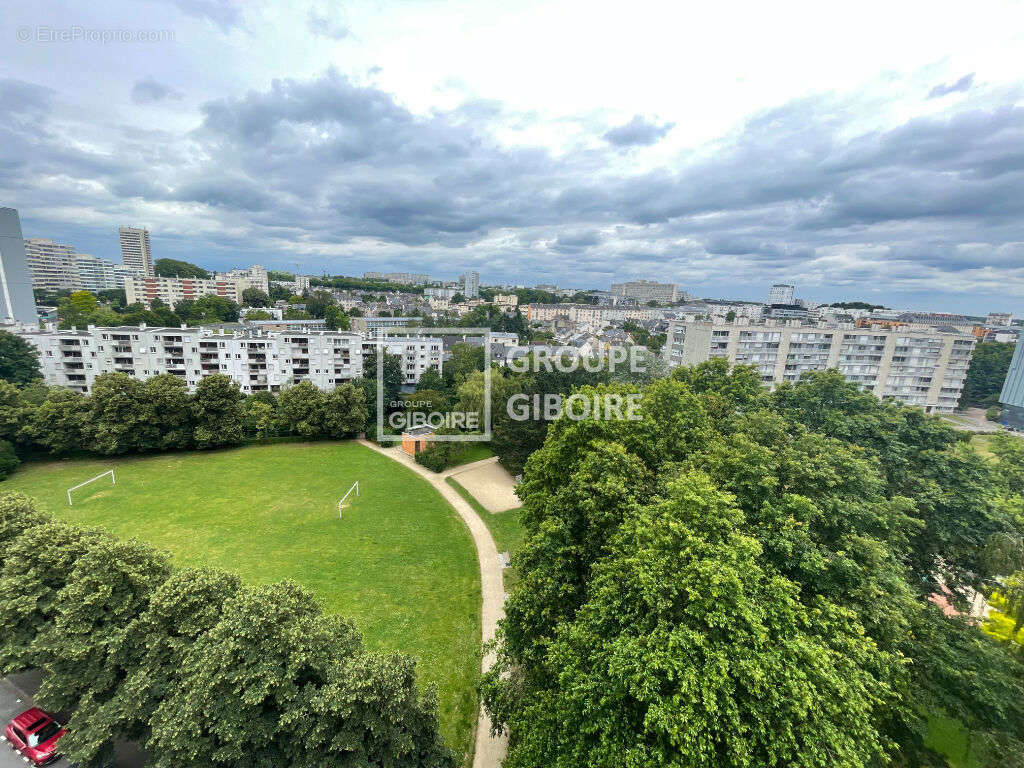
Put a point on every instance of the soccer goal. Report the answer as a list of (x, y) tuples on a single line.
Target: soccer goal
[(91, 480), (341, 502)]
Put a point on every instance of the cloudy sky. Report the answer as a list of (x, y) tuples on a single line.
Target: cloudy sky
[(869, 150)]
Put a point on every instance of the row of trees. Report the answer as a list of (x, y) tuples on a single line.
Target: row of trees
[(125, 415), (202, 669), (986, 374), (741, 579)]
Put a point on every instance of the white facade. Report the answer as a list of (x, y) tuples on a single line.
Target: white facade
[(781, 293), (588, 313), (52, 265), (57, 266), (256, 361), (171, 290), (471, 285), (647, 290), (926, 368), (135, 251), (253, 277)]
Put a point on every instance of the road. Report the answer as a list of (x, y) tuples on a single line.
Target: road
[(14, 701)]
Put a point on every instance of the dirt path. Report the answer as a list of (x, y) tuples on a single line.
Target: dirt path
[(489, 483), (490, 750)]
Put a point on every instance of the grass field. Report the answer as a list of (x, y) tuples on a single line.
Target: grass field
[(505, 528), (399, 562)]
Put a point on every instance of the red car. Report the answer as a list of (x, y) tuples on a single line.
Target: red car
[(35, 734)]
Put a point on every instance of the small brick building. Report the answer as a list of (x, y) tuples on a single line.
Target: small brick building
[(415, 440)]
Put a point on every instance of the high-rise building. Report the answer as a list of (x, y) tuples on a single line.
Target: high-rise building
[(917, 367), (1012, 396), (135, 250), (471, 285), (647, 290), (999, 318), (52, 265), (781, 293), (17, 303), (96, 274)]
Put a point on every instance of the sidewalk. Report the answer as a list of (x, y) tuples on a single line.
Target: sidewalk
[(490, 750)]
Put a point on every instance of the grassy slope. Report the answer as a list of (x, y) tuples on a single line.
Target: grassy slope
[(505, 528), (399, 562)]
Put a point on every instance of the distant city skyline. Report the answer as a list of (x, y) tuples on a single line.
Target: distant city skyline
[(765, 145)]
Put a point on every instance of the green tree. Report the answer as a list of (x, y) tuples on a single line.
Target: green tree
[(107, 589), (314, 706), (302, 410), (346, 412), (176, 268), (258, 417), (986, 374), (146, 662), (19, 360), (254, 297), (336, 318), (37, 565), (18, 513), (689, 652), (15, 411), (430, 379), (217, 405), (58, 424), (8, 459), (168, 414), (116, 419)]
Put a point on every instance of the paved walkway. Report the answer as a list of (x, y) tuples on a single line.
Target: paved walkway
[(490, 750), (489, 483)]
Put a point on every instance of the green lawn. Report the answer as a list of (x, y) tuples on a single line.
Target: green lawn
[(399, 561), (474, 452), (505, 528)]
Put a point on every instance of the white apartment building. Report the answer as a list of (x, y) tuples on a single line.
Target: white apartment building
[(647, 290), (781, 293), (171, 290), (588, 313), (253, 277), (470, 285), (51, 265), (926, 368), (135, 251), (96, 274), (58, 266), (256, 361), (506, 300)]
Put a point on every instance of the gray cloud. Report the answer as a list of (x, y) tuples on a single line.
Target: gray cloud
[(637, 132), (326, 171), (962, 85), (148, 90)]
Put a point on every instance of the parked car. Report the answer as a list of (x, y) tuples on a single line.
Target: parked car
[(35, 734)]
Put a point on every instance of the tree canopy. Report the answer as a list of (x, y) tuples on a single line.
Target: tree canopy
[(741, 579), (176, 268)]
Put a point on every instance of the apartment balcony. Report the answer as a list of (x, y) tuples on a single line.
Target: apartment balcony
[(70, 343), (74, 366), (174, 350), (210, 367), (123, 361), (123, 349), (257, 357), (205, 356)]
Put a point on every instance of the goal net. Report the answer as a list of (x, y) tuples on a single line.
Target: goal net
[(341, 502), (91, 480)]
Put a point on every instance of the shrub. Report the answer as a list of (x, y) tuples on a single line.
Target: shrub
[(8, 461), (993, 413)]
